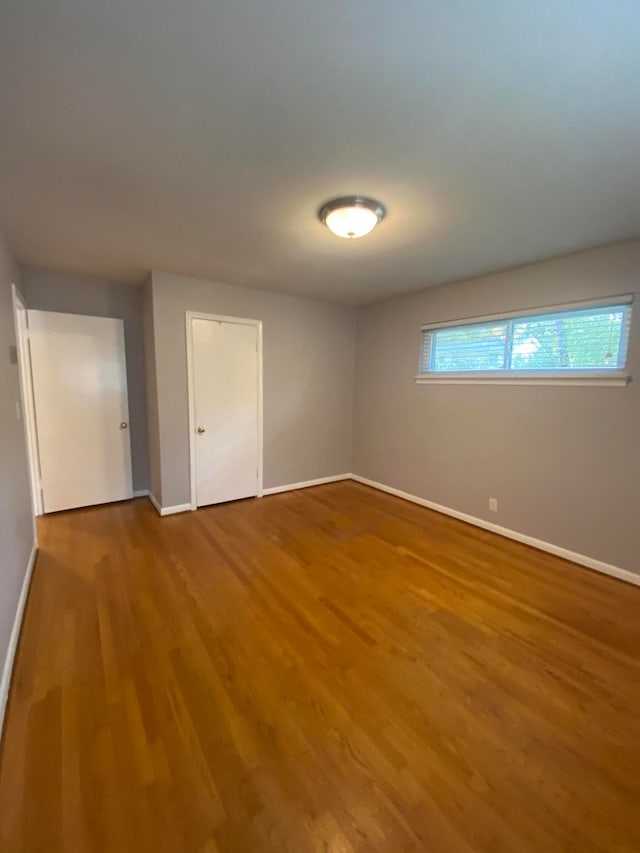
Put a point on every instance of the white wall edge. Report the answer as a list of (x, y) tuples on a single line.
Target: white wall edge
[(168, 510), (580, 559), (7, 671), (143, 493), (306, 484)]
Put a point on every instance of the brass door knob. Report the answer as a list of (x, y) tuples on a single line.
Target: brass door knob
[(201, 430), (123, 424)]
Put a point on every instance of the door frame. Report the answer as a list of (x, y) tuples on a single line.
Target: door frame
[(190, 316), (27, 401)]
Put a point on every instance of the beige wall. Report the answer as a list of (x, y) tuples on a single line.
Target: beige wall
[(564, 462), (16, 520), (308, 359), (94, 296)]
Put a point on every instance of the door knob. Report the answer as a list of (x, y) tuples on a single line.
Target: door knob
[(123, 424), (201, 430)]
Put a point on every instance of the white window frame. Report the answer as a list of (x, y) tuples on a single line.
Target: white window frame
[(585, 376)]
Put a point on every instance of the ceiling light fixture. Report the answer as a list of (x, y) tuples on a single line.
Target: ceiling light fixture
[(351, 216)]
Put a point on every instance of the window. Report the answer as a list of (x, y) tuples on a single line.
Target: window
[(583, 344)]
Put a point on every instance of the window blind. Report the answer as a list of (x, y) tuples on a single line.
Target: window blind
[(577, 339)]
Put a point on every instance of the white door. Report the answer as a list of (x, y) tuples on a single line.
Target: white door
[(82, 411), (225, 386)]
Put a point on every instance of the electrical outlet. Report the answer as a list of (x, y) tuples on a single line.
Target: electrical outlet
[(18, 411), (493, 504)]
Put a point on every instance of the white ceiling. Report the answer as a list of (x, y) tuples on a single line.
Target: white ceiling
[(201, 136)]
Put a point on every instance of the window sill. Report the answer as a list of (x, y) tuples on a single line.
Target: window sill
[(597, 378)]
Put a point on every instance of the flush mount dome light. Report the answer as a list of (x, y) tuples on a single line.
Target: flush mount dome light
[(352, 216)]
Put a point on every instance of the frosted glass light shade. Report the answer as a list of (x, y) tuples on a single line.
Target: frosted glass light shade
[(351, 217)]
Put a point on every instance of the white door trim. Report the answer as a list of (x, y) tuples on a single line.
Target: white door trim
[(27, 403), (220, 318)]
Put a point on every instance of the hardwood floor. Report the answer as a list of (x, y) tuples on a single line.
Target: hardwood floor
[(333, 670)]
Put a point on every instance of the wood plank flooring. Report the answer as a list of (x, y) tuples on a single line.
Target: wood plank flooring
[(332, 670)]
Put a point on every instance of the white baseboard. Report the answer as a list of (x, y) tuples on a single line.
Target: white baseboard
[(581, 559), (143, 493), (168, 510), (306, 484), (5, 683), (172, 510)]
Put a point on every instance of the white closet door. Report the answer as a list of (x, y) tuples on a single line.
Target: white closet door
[(82, 410), (225, 387)]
